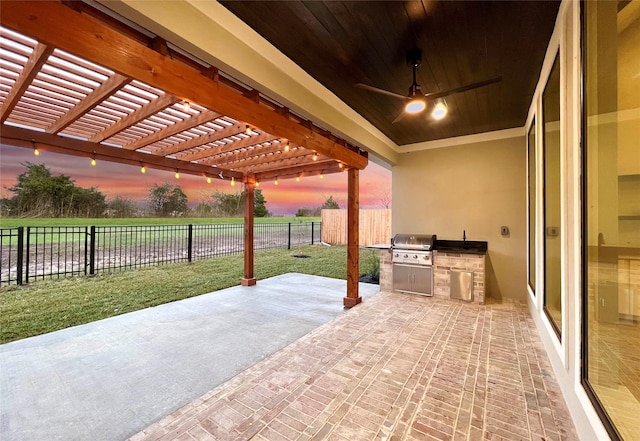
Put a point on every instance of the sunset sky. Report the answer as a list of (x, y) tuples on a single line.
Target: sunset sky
[(127, 182)]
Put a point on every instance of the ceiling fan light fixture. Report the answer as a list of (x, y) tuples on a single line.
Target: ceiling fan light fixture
[(415, 106), (440, 110)]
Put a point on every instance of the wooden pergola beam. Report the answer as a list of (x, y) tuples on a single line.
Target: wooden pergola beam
[(200, 140), (54, 24), (179, 127), (37, 58), (102, 92), (303, 170), (277, 162), (230, 147), (246, 155), (20, 137), (151, 108)]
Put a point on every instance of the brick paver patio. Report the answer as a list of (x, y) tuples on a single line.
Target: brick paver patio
[(395, 367)]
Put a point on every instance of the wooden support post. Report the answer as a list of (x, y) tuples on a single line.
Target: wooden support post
[(353, 204), (248, 279)]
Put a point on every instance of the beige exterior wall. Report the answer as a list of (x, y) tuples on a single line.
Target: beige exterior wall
[(477, 187)]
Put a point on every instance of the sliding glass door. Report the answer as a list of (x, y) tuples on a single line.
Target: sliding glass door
[(611, 212)]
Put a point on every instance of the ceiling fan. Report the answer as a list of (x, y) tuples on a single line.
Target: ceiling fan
[(416, 100)]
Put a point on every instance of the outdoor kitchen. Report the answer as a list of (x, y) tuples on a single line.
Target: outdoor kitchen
[(421, 264)]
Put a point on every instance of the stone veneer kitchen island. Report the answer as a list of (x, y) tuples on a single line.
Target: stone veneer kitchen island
[(454, 255)]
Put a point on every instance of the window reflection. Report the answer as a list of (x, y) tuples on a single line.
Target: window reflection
[(612, 186), (552, 230)]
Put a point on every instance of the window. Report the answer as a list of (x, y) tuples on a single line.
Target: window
[(531, 146), (611, 213), (552, 231)]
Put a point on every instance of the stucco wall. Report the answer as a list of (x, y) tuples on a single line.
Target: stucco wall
[(475, 187)]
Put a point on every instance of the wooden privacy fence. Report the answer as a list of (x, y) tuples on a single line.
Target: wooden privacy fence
[(375, 227)]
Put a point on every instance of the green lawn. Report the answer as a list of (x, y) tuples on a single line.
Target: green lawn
[(49, 305), (8, 222)]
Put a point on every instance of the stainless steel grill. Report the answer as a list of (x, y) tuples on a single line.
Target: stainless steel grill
[(413, 248), (412, 259)]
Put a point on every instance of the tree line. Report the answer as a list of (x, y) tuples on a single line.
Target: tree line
[(38, 193)]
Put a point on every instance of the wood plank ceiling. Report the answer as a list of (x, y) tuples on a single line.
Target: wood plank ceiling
[(77, 85), (342, 43)]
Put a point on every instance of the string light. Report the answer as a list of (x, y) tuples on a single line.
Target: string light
[(315, 156), (93, 161), (298, 178), (322, 175), (248, 130), (186, 105), (208, 180), (286, 147), (257, 184), (233, 181), (340, 165), (177, 174), (143, 169), (276, 181), (36, 151)]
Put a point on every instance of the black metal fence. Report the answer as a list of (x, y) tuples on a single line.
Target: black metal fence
[(32, 253)]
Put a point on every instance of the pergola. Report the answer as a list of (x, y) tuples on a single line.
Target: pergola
[(78, 82)]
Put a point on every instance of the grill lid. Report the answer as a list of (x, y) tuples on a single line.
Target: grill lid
[(413, 241)]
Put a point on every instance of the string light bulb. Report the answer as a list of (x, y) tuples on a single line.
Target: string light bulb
[(248, 130), (322, 175), (177, 174), (286, 147), (276, 181), (143, 169), (257, 184), (186, 105), (208, 180), (298, 178), (36, 151), (233, 181), (315, 156), (340, 165), (93, 161)]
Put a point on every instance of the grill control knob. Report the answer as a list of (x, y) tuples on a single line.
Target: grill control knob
[(395, 255), (415, 256), (406, 255)]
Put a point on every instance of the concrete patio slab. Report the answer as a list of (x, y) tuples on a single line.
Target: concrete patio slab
[(110, 379)]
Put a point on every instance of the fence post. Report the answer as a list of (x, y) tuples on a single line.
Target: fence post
[(86, 249), (92, 253), (289, 237), (312, 223), (27, 254), (190, 243), (20, 255)]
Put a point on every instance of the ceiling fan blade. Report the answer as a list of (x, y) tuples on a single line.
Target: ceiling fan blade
[(400, 117), (470, 86), (381, 91)]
